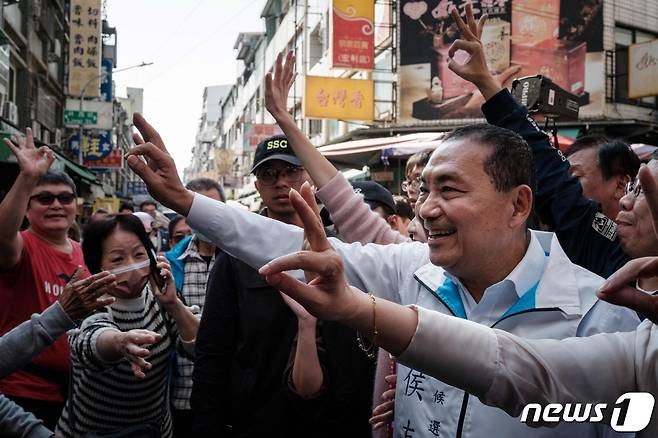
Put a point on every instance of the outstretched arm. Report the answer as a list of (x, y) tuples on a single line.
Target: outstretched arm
[(353, 218), (79, 298), (500, 368)]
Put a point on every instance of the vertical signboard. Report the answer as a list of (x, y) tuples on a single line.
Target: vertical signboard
[(85, 48), (106, 80), (561, 39), (353, 34)]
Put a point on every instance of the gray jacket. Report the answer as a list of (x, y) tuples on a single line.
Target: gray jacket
[(17, 348)]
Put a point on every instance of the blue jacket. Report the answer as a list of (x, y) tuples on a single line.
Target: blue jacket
[(178, 266), (587, 236)]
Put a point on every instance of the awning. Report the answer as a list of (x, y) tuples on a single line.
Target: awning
[(357, 153), (81, 171), (644, 151)]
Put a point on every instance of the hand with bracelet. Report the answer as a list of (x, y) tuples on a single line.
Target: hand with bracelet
[(328, 296)]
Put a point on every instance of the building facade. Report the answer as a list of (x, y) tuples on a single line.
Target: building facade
[(582, 45)]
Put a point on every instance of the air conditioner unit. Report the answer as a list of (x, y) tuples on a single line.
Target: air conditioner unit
[(10, 112)]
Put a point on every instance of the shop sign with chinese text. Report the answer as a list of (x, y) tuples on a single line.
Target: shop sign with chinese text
[(338, 98), (353, 35), (254, 133), (85, 48), (643, 69)]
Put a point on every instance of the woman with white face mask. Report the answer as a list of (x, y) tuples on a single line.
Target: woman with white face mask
[(121, 357)]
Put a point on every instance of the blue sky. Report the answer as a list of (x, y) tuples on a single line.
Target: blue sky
[(191, 45)]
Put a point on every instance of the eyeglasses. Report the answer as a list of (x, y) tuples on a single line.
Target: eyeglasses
[(414, 184), (47, 198), (269, 176), (633, 187)]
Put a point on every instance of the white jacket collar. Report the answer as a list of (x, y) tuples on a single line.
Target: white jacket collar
[(559, 287)]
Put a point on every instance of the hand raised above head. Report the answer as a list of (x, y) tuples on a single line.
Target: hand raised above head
[(277, 86), (34, 162), (475, 69), (157, 168)]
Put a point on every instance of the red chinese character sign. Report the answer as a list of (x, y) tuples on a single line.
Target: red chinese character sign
[(85, 48), (353, 36)]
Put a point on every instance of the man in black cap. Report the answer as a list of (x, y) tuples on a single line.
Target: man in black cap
[(247, 349), (376, 196), (277, 170)]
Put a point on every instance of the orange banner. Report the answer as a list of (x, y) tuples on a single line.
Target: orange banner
[(338, 98)]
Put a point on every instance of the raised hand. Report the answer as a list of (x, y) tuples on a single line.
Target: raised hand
[(159, 169), (33, 162), (617, 290), (327, 295), (130, 345), (81, 297), (278, 86), (475, 69)]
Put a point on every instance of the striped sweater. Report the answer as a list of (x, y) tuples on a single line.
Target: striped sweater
[(105, 395)]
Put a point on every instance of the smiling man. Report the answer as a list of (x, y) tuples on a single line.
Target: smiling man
[(482, 263), (35, 265)]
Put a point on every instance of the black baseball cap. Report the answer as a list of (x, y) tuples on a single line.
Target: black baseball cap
[(274, 148), (375, 195)]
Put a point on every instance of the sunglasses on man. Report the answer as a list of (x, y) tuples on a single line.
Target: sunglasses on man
[(47, 198)]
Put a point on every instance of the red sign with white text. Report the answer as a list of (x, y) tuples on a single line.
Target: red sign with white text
[(353, 36)]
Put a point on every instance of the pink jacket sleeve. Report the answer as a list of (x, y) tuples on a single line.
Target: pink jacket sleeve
[(353, 217)]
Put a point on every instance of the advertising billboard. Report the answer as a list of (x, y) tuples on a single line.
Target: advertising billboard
[(560, 39)]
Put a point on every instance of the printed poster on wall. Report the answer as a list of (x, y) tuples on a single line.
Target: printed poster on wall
[(85, 48), (560, 39), (353, 34)]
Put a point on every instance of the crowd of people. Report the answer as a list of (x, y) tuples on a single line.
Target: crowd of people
[(339, 309)]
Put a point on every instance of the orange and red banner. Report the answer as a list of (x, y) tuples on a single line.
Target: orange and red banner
[(353, 36)]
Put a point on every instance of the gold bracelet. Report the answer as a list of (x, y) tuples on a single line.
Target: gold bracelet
[(369, 350)]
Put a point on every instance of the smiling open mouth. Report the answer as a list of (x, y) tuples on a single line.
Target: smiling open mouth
[(435, 234)]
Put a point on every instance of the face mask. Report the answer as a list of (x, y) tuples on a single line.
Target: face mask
[(134, 276), (201, 237)]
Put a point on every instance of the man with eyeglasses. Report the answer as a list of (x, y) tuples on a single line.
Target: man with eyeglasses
[(247, 344), (35, 265)]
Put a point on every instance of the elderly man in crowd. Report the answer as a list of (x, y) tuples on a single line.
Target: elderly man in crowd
[(480, 263)]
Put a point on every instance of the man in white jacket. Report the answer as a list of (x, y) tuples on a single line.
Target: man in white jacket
[(481, 263), (477, 198)]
